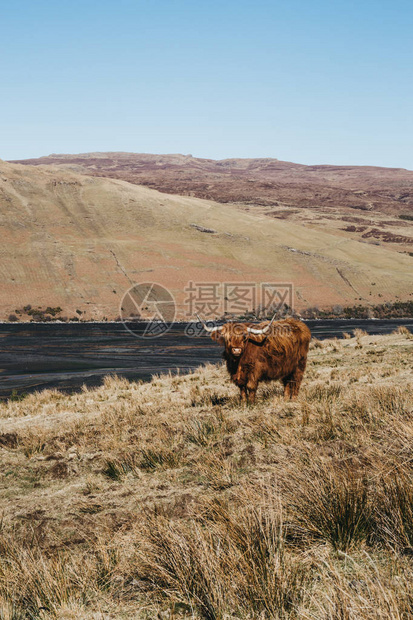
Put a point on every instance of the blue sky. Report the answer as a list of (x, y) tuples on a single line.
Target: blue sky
[(306, 81)]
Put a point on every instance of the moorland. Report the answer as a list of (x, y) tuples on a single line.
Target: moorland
[(169, 499)]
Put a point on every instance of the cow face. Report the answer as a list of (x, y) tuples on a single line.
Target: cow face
[(234, 336)]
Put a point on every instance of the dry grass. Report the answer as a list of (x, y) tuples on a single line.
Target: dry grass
[(402, 330), (171, 500)]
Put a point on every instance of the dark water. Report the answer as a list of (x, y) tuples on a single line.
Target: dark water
[(66, 356)]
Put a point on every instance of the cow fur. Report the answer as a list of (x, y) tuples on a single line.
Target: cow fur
[(280, 354)]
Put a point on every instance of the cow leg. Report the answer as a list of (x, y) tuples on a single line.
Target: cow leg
[(243, 394), (292, 384), (298, 375), (287, 387), (252, 390), (251, 396)]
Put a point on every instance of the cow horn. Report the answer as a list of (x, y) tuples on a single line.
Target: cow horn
[(208, 329), (264, 330)]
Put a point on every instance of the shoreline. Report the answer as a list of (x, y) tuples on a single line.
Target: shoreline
[(354, 318)]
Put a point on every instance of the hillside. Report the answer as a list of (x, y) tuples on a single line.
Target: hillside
[(358, 202), (79, 242), (170, 500), (257, 181)]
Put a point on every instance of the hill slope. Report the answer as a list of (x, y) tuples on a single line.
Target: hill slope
[(81, 242), (256, 181), (357, 202)]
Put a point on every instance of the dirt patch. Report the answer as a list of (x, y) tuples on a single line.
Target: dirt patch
[(9, 440), (387, 237)]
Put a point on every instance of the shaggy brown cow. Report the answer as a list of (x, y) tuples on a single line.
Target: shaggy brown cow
[(265, 352)]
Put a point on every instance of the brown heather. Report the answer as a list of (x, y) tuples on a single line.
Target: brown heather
[(171, 500)]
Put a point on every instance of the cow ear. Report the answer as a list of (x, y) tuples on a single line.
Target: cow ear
[(218, 337), (257, 337)]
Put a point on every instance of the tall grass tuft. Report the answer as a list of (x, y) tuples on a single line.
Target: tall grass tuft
[(402, 330), (32, 584), (202, 432), (226, 563), (330, 501), (391, 399), (394, 511), (162, 458), (365, 590)]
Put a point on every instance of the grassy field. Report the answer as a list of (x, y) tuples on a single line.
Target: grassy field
[(169, 499)]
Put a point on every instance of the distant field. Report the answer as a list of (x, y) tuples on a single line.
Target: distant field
[(170, 500)]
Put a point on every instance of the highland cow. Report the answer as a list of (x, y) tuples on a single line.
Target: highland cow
[(270, 351)]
